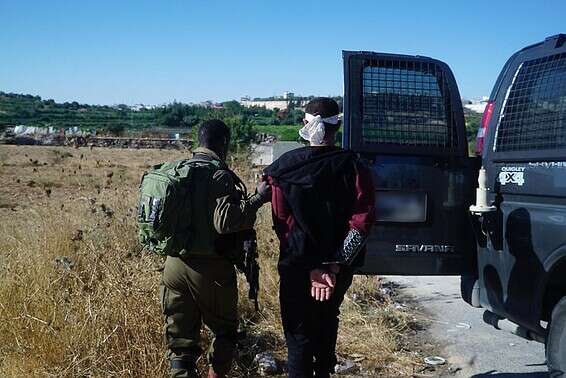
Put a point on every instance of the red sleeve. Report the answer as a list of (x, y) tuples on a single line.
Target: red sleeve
[(363, 212), (282, 217)]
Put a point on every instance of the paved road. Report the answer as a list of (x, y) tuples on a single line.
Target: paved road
[(477, 348)]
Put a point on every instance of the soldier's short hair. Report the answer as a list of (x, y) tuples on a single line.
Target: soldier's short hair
[(213, 134)]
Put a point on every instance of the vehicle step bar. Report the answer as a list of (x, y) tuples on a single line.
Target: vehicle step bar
[(504, 324)]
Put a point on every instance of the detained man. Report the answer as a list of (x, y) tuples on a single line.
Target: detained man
[(323, 210)]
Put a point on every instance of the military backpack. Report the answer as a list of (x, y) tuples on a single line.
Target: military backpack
[(164, 209)]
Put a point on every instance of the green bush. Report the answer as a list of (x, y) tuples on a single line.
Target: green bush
[(473, 121), (281, 132), (242, 131)]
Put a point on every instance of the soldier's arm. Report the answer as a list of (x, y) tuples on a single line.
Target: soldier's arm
[(232, 214)]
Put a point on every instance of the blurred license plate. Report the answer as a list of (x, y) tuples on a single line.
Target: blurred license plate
[(391, 206)]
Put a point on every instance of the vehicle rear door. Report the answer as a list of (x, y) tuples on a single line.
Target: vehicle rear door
[(404, 115)]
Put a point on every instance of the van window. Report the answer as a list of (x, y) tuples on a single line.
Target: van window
[(534, 115), (406, 103)]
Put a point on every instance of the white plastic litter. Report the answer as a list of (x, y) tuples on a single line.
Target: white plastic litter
[(267, 365), (434, 361), (346, 367)]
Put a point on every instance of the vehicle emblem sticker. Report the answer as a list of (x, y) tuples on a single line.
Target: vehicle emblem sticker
[(425, 248), (512, 175)]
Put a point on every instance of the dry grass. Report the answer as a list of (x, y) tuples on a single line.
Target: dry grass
[(85, 303)]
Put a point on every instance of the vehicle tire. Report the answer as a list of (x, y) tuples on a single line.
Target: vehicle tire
[(556, 341)]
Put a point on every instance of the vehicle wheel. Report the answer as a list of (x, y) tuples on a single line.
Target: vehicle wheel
[(556, 341)]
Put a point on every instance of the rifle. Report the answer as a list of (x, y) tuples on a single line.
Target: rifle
[(246, 262), (248, 265)]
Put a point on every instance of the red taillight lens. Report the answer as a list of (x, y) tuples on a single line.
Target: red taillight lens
[(482, 131)]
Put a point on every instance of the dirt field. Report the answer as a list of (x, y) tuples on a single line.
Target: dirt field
[(79, 298)]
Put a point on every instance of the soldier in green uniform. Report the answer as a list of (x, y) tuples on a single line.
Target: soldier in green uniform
[(201, 286)]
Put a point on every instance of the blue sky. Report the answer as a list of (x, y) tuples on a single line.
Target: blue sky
[(108, 52)]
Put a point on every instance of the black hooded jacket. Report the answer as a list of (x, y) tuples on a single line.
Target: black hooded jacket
[(319, 187)]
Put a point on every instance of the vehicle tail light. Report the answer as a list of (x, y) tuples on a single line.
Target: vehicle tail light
[(482, 131)]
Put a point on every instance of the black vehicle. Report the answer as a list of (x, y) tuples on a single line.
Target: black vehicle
[(404, 115)]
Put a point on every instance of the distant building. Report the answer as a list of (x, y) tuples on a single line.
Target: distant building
[(477, 106), (140, 107), (266, 153), (276, 102), (268, 104), (288, 95), (210, 104)]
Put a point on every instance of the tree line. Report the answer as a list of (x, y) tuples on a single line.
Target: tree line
[(29, 110)]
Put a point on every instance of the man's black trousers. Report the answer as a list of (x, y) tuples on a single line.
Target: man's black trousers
[(310, 326)]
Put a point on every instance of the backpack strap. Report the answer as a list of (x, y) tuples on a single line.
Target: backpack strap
[(203, 158), (210, 162)]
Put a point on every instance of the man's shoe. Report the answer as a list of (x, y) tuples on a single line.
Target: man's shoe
[(183, 369)]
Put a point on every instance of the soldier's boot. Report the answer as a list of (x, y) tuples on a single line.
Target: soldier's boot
[(183, 368)]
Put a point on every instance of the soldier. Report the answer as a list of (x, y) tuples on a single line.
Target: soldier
[(323, 210), (201, 286)]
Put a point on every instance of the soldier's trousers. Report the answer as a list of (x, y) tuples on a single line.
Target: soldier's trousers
[(196, 291)]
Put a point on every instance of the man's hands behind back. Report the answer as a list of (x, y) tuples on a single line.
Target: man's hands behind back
[(322, 284)]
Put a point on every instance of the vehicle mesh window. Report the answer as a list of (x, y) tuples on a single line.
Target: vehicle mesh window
[(406, 103), (534, 117)]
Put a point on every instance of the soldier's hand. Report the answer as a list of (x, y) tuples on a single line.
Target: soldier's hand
[(264, 190)]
